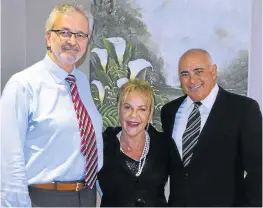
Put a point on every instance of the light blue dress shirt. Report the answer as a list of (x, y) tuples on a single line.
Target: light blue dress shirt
[(40, 138)]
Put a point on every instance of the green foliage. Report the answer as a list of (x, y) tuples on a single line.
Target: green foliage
[(95, 95), (122, 20), (110, 49), (114, 72), (109, 115), (127, 54)]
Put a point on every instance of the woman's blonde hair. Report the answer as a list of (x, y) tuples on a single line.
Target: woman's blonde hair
[(136, 85)]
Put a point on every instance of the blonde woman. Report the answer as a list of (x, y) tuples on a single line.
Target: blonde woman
[(137, 158)]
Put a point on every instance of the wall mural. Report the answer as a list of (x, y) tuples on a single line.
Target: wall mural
[(130, 41)]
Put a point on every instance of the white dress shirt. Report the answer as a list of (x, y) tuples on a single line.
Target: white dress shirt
[(184, 111), (40, 138)]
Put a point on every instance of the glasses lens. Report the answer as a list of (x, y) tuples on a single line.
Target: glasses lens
[(64, 33), (67, 34), (80, 35)]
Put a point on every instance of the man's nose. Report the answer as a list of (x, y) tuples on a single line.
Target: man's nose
[(192, 78), (72, 39)]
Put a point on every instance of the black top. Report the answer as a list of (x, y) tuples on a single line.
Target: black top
[(119, 184), (132, 164)]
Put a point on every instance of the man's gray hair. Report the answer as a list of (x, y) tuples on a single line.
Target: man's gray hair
[(196, 50), (65, 8)]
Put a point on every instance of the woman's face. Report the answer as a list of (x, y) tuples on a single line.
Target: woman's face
[(134, 114)]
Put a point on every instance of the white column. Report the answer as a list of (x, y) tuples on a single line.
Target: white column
[(255, 53), (1, 48)]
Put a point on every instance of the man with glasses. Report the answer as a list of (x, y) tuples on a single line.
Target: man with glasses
[(51, 136)]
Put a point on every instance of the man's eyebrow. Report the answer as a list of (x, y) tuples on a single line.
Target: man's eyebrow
[(68, 29), (65, 28), (198, 68)]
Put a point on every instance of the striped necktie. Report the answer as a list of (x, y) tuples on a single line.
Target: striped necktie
[(87, 134), (191, 133)]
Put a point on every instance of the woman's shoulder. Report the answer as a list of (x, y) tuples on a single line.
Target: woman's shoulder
[(157, 136), (110, 139), (111, 132)]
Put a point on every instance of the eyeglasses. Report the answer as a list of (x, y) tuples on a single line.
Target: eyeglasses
[(65, 34)]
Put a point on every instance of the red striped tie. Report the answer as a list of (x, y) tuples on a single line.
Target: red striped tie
[(87, 134)]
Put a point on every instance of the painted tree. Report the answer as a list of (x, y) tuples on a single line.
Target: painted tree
[(119, 52), (234, 76)]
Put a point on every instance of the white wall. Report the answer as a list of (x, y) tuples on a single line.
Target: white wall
[(0, 43), (255, 53), (12, 38), (23, 34)]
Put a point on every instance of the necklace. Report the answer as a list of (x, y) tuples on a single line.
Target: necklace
[(142, 159)]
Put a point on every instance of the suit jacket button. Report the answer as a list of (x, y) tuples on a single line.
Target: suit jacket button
[(139, 203)]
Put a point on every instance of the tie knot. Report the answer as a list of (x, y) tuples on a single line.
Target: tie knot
[(71, 79), (197, 104)]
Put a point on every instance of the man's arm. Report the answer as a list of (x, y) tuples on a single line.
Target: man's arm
[(163, 120), (251, 147), (14, 121), (176, 172)]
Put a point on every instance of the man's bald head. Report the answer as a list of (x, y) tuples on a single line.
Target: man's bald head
[(197, 73)]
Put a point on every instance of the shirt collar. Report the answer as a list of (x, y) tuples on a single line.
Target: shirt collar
[(208, 101), (56, 72)]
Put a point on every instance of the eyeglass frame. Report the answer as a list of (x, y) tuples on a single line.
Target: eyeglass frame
[(87, 36)]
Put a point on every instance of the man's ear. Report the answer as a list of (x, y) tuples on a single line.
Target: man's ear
[(214, 70)]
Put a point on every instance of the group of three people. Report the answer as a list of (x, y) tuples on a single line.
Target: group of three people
[(53, 149)]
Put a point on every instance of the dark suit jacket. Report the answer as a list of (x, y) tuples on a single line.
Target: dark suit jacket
[(120, 187), (230, 142)]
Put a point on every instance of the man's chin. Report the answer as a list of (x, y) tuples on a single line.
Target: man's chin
[(70, 59), (195, 97)]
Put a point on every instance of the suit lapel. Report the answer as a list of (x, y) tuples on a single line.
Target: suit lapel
[(212, 122), (171, 114)]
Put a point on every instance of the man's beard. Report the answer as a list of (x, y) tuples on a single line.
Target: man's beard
[(69, 54)]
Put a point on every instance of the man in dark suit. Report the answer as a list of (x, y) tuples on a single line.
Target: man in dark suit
[(218, 135)]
